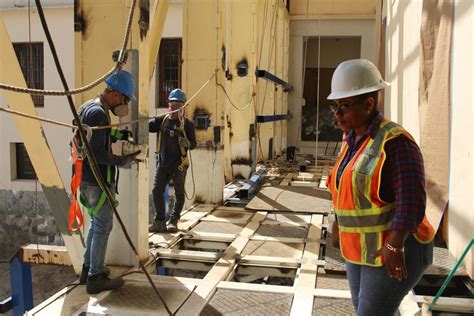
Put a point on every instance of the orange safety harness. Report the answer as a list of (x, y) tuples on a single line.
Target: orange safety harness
[(75, 212)]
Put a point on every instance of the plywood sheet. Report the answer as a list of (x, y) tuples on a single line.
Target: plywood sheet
[(282, 231), (214, 227), (294, 199)]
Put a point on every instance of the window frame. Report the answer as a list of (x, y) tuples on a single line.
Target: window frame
[(22, 163), (162, 94), (24, 60)]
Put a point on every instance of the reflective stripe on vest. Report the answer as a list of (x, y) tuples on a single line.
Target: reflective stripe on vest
[(364, 219)]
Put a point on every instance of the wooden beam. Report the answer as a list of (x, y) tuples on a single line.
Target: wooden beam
[(211, 236), (448, 304), (45, 254), (221, 269), (332, 293), (306, 279), (252, 287), (186, 254), (265, 260)]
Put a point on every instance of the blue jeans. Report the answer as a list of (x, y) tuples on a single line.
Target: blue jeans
[(99, 230), (375, 293)]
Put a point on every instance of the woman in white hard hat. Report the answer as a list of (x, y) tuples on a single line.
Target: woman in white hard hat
[(378, 194)]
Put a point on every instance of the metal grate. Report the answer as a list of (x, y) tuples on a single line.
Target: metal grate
[(229, 302), (323, 306)]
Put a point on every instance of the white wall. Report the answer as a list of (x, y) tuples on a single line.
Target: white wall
[(461, 182), (333, 28), (401, 105), (402, 64), (60, 22)]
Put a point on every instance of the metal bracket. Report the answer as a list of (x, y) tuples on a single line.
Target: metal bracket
[(265, 74)]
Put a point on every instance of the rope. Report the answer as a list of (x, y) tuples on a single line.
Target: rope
[(90, 156), (54, 122), (118, 66)]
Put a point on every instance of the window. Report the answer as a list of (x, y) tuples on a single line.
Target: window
[(32, 67), (24, 167), (170, 69)]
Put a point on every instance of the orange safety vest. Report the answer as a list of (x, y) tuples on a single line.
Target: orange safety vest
[(364, 219)]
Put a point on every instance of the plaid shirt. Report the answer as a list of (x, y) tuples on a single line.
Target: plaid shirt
[(403, 176)]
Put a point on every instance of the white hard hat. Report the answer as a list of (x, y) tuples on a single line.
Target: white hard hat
[(355, 77)]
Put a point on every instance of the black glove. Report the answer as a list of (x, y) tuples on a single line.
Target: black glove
[(130, 158), (123, 134)]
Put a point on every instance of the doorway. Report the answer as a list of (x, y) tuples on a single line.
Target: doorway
[(321, 57)]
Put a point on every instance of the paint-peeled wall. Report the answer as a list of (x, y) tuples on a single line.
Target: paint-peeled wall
[(227, 36)]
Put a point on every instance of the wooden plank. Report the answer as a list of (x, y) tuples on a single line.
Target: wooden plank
[(265, 260), (448, 304), (221, 269), (306, 279), (255, 287), (279, 239), (211, 218), (309, 184), (292, 199), (332, 293), (211, 236), (287, 179), (262, 271), (409, 306), (44, 254), (190, 244), (185, 254)]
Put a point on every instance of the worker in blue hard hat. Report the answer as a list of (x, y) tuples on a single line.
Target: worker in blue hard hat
[(176, 135), (115, 98)]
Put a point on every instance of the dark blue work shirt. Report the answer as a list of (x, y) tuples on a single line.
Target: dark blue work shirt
[(93, 114), (169, 152)]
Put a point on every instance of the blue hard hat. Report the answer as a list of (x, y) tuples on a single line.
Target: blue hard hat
[(177, 95), (123, 82)]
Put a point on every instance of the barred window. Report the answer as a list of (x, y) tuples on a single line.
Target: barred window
[(170, 68), (30, 56), (24, 167)]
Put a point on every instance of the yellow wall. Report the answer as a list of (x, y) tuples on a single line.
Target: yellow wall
[(247, 30)]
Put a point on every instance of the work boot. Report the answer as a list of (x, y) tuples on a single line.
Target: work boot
[(85, 272), (100, 282), (158, 227), (173, 225)]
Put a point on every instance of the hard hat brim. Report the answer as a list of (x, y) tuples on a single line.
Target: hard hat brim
[(353, 93)]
